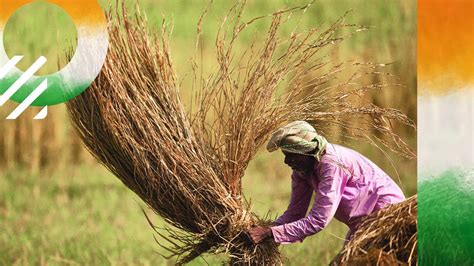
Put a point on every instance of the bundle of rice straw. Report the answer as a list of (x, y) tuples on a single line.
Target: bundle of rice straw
[(187, 165), (387, 237)]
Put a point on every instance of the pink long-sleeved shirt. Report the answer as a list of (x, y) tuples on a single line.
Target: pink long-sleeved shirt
[(348, 186)]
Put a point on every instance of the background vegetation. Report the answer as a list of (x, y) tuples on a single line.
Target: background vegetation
[(59, 207)]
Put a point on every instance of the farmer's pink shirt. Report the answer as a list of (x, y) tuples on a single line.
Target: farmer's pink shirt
[(348, 186)]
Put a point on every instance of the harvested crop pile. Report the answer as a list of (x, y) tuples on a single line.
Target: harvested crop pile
[(387, 237), (187, 165)]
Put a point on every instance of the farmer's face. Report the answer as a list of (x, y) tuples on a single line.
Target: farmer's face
[(299, 162)]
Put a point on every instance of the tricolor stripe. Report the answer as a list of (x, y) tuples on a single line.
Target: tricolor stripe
[(82, 12), (79, 73), (28, 101), (23, 79), (445, 132)]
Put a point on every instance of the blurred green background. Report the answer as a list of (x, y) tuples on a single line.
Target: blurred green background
[(59, 207)]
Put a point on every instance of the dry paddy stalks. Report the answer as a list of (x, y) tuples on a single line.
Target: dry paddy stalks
[(387, 237), (187, 165)]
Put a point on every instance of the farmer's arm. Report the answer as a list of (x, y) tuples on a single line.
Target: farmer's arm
[(327, 198), (301, 193)]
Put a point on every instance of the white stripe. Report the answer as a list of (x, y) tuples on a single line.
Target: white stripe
[(22, 80), (42, 114), (29, 100), (9, 66), (445, 137)]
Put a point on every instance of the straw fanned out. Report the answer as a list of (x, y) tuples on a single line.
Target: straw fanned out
[(187, 165), (387, 237)]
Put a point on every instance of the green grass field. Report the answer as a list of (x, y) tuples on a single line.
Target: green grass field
[(82, 215), (86, 216)]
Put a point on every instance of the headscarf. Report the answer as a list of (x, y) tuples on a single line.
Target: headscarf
[(298, 137)]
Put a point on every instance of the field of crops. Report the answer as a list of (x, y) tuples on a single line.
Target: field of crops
[(57, 206)]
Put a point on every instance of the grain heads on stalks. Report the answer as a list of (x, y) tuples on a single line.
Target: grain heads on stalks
[(187, 165)]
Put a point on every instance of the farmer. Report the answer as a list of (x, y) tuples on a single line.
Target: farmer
[(347, 186)]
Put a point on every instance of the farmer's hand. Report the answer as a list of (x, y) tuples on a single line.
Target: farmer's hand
[(259, 233)]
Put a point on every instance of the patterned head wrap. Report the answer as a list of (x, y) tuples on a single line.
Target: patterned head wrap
[(298, 137)]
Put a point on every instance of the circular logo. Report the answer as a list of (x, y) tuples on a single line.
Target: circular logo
[(76, 76)]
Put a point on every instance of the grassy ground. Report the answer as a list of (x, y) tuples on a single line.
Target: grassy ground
[(86, 216)]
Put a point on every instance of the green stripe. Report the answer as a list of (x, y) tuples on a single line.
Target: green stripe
[(57, 92), (446, 220)]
